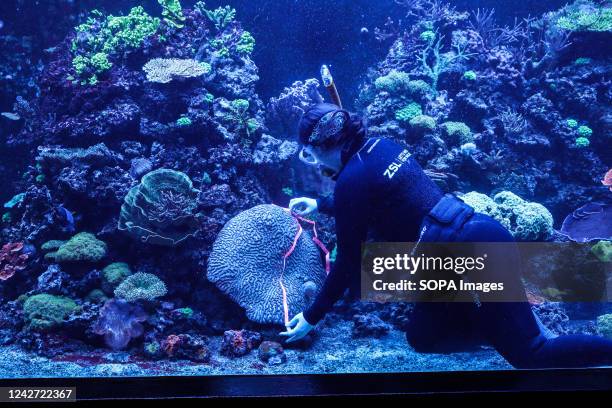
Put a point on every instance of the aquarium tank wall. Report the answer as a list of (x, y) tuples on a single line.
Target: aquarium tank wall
[(154, 220)]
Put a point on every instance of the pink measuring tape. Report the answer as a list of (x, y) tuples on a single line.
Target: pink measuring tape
[(316, 240)]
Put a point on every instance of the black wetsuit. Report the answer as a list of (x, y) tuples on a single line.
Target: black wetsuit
[(383, 193)]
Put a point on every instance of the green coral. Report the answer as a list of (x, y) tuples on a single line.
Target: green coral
[(288, 191), (604, 325), (101, 36), (458, 132), (409, 112), (220, 17), (172, 12), (584, 15), (114, 274), (140, 285), (603, 251), (585, 131), (183, 121), (6, 218), (470, 75), (393, 82), (582, 142), (526, 221), (434, 62), (83, 247), (423, 122), (96, 296), (246, 43), (583, 61), (428, 36), (571, 123), (238, 112), (186, 312), (52, 245), (44, 312), (15, 200), (161, 210)]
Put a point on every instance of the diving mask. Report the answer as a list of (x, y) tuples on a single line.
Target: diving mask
[(307, 156)]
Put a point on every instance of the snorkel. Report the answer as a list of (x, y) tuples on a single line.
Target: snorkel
[(330, 124), (330, 85)]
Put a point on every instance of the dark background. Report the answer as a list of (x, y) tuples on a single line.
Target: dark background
[(294, 37)]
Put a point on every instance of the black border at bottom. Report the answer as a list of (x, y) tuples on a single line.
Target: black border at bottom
[(329, 384)]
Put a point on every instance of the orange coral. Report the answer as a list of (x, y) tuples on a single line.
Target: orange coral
[(11, 259)]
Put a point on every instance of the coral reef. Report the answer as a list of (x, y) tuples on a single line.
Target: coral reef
[(525, 220), (164, 70), (139, 286), (604, 325), (160, 210), (12, 259), (119, 322), (83, 247), (45, 312), (247, 262), (145, 129), (369, 325), (272, 353), (519, 91), (237, 343)]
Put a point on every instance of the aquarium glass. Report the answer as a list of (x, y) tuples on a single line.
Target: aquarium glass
[(218, 188)]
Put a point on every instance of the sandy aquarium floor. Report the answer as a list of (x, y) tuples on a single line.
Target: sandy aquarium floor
[(334, 351)]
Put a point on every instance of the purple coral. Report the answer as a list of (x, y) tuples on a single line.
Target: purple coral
[(119, 322)]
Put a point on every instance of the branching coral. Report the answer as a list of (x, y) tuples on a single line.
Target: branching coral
[(161, 209), (584, 15), (140, 285), (434, 62), (164, 70), (246, 262), (220, 17), (101, 36), (239, 113), (12, 259), (172, 12)]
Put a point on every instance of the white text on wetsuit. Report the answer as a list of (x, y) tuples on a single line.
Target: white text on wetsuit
[(397, 163)]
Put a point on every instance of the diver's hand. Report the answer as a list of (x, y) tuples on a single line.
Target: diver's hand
[(303, 205), (297, 328)]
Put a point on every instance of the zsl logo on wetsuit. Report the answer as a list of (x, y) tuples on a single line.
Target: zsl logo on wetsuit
[(397, 163)]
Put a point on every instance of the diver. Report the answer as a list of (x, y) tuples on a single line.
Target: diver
[(382, 191)]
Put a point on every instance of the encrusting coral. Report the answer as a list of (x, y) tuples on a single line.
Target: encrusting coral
[(525, 220)]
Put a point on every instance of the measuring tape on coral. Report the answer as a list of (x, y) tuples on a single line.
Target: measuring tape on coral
[(299, 219)]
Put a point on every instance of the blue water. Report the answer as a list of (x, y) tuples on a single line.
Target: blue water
[(133, 140)]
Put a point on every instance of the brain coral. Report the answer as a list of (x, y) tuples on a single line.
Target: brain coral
[(161, 209), (247, 261)]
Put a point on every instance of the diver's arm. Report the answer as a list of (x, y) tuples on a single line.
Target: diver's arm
[(351, 229)]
